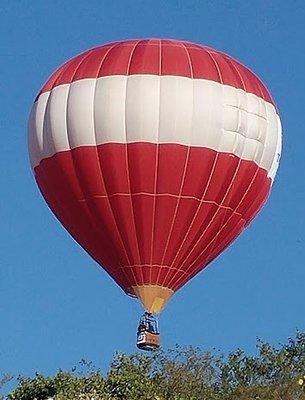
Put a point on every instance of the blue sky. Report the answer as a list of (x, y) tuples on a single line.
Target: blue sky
[(56, 305)]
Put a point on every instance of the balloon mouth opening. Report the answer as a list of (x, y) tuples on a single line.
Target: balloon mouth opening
[(153, 297)]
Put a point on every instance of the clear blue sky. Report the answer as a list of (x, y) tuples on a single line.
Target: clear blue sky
[(56, 305)]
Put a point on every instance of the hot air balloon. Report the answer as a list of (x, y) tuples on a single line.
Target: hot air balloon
[(155, 155)]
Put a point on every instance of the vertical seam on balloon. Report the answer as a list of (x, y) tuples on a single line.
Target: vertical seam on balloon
[(237, 167), (229, 219), (214, 240), (127, 160), (44, 132), (255, 82), (156, 164), (184, 169), (102, 63), (89, 211), (219, 207), (221, 226), (216, 65), (100, 168), (67, 65), (55, 76), (263, 102), (245, 70), (259, 99), (196, 212), (258, 85), (223, 245), (261, 157), (65, 211), (233, 66), (62, 210), (68, 95), (215, 214), (102, 175), (210, 223), (241, 200), (261, 127), (90, 218), (239, 94), (185, 166), (220, 248), (110, 205), (244, 195), (45, 135), (215, 162), (46, 107)]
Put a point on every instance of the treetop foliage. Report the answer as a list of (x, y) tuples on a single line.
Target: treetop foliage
[(182, 373)]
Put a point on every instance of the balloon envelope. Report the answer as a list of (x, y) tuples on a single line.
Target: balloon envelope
[(154, 155)]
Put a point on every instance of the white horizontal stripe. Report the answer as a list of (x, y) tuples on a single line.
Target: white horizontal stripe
[(157, 109)]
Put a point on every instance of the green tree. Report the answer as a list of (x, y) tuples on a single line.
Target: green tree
[(183, 373), (187, 373), (272, 374)]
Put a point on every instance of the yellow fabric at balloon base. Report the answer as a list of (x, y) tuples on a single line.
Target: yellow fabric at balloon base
[(153, 297), (157, 305)]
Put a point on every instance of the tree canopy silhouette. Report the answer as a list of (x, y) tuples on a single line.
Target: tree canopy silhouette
[(182, 373)]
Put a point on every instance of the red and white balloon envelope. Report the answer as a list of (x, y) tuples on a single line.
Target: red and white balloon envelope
[(155, 155)]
